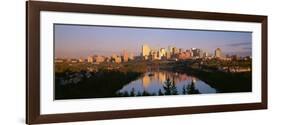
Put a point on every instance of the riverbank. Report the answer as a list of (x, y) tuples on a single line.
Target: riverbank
[(224, 82), (104, 80), (100, 85), (76, 81)]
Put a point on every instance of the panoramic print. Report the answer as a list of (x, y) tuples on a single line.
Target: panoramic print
[(108, 61)]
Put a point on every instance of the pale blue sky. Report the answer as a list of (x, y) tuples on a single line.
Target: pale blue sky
[(75, 41)]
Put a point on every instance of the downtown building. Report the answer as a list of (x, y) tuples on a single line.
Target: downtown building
[(172, 53)]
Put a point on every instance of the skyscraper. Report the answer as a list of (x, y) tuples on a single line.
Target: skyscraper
[(170, 48), (90, 59), (175, 50), (180, 50), (218, 53), (184, 55), (125, 56), (196, 52), (131, 56), (168, 55), (98, 59), (162, 52), (145, 51), (205, 54), (154, 55)]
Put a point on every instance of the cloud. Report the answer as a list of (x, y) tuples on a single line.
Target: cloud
[(240, 44), (242, 53), (247, 48)]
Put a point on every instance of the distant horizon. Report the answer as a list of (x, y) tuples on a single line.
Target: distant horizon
[(81, 41)]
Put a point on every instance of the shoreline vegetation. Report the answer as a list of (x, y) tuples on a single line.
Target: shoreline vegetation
[(94, 82), (224, 82), (77, 81)]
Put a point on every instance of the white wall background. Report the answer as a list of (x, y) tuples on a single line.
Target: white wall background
[(12, 63)]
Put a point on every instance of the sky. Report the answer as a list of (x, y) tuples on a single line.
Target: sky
[(81, 41)]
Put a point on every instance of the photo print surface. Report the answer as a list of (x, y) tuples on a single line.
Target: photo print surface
[(93, 61)]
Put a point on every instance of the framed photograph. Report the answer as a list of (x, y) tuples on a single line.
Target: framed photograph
[(93, 62)]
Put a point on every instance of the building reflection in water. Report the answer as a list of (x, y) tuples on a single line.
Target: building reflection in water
[(145, 81), (152, 82)]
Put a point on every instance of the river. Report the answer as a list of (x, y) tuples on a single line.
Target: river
[(153, 82)]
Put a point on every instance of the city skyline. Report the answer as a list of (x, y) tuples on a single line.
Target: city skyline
[(83, 41)]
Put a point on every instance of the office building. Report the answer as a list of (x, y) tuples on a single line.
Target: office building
[(218, 53)]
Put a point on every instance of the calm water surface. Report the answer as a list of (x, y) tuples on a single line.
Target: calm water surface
[(152, 82)]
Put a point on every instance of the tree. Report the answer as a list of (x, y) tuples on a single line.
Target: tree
[(160, 92), (167, 87), (170, 87), (191, 89), (132, 93), (126, 94), (139, 93), (144, 93), (184, 90), (174, 88)]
